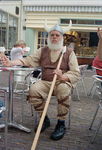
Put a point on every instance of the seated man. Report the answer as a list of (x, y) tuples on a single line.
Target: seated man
[(47, 58), (97, 62)]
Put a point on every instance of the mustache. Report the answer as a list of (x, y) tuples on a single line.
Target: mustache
[(54, 40)]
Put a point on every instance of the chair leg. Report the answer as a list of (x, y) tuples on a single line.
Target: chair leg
[(34, 115), (91, 88), (36, 118), (69, 122), (84, 88), (6, 123), (32, 110), (22, 105), (5, 112), (77, 93), (96, 131), (93, 92), (94, 117)]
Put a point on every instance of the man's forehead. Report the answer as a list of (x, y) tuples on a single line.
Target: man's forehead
[(55, 32)]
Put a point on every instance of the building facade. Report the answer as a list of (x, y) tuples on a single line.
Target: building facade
[(86, 16)]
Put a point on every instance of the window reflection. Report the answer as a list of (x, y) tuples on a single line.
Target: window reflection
[(13, 29), (11, 22), (39, 34), (42, 39), (42, 34), (3, 29)]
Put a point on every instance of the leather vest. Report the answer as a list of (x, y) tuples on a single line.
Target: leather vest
[(47, 66)]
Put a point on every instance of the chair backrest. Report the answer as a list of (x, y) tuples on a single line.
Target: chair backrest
[(98, 81), (83, 69), (20, 75), (22, 78), (36, 76), (95, 70)]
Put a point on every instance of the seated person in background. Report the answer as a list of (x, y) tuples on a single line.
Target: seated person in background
[(19, 50), (47, 58), (97, 62)]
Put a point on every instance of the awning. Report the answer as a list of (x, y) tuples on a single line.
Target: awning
[(94, 9)]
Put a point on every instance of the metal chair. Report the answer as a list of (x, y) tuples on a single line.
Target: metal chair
[(83, 69), (24, 81), (4, 109), (21, 87), (98, 81), (95, 69)]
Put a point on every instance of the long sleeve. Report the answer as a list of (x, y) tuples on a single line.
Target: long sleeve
[(33, 60), (16, 53), (74, 72)]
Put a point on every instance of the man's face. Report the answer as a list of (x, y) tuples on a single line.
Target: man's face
[(55, 37), (55, 40)]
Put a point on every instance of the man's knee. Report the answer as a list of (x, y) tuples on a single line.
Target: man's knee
[(63, 87), (63, 91)]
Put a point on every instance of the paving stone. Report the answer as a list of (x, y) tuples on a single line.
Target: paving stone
[(76, 138)]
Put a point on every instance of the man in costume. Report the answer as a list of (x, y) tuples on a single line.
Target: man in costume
[(47, 58)]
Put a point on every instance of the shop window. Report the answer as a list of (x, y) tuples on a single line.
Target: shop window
[(13, 31), (93, 39), (80, 21), (3, 29), (42, 39), (10, 22), (84, 43)]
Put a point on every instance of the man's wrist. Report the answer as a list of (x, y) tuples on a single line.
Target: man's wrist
[(64, 78)]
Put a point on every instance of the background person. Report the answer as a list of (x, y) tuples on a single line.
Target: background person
[(47, 58), (97, 62), (19, 50)]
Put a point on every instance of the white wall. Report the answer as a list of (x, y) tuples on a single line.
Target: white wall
[(10, 7), (63, 2), (36, 20)]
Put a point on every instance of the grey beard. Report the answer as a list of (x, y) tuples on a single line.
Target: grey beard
[(55, 46)]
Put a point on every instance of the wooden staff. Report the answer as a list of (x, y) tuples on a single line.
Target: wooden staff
[(46, 106)]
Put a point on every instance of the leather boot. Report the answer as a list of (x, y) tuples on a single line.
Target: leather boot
[(59, 132), (45, 125)]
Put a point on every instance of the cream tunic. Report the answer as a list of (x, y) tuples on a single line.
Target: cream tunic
[(73, 73), (38, 92)]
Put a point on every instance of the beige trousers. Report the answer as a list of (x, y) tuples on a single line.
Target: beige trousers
[(38, 94)]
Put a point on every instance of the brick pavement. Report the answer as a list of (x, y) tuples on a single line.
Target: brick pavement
[(76, 138)]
